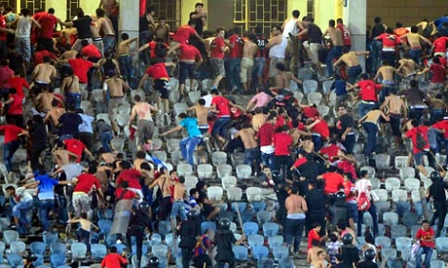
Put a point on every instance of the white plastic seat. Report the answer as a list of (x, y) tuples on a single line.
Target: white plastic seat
[(403, 243), (442, 244), (253, 194), (427, 183), (332, 99), (360, 159), (437, 264), (407, 172), (376, 183), (264, 216), (398, 230), (382, 161), (205, 171), (326, 85), (293, 85), (224, 170), (323, 110), (124, 109), (173, 145), (17, 247), (194, 96), (215, 193), (304, 74), (98, 95), (219, 158), (275, 241), (415, 195), (86, 106), (401, 161), (173, 84), (103, 116), (370, 170), (383, 242), (206, 84), (228, 181), (243, 171), (314, 98), (399, 195), (139, 92), (188, 85), (191, 181), (389, 254), (157, 144), (429, 170), (161, 155), (237, 159), (392, 184), (390, 218), (10, 236), (310, 86), (411, 184), (298, 96), (234, 193), (184, 170), (117, 143), (180, 108), (382, 194), (123, 119)]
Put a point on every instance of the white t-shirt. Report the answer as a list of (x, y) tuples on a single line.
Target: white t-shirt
[(23, 194), (362, 186)]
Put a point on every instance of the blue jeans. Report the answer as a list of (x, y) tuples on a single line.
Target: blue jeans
[(317, 140), (187, 146), (105, 138), (20, 210), (365, 107), (416, 113), (293, 231), (251, 156), (83, 236), (353, 208), (372, 131), (73, 98), (64, 137), (234, 73), (45, 206), (266, 159), (349, 143), (126, 69), (109, 43), (62, 208), (376, 59), (220, 126), (353, 73), (416, 55), (144, 38), (418, 257), (372, 211), (8, 152), (179, 209), (334, 53), (436, 115)]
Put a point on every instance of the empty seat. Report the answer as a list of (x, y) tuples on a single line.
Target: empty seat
[(305, 74), (241, 253), (314, 98), (173, 145), (323, 110), (208, 225), (389, 254), (264, 216), (159, 250), (224, 170), (370, 171), (161, 155), (390, 218), (124, 109), (243, 171), (188, 84), (260, 252), (382, 194), (411, 184), (173, 84), (180, 108), (190, 181), (427, 183), (310, 86), (392, 184), (437, 264), (376, 183), (382, 241), (298, 96), (403, 243), (99, 251), (219, 158), (215, 193), (38, 248), (206, 84), (382, 161), (255, 240), (398, 231), (250, 228), (399, 195), (18, 247), (14, 260), (117, 144), (442, 244), (234, 194), (205, 171), (57, 248), (326, 85), (57, 259), (184, 170), (270, 229), (407, 172), (10, 236), (293, 85), (237, 159), (401, 161), (123, 119), (275, 241), (253, 194), (105, 226), (79, 250), (280, 252), (194, 96)]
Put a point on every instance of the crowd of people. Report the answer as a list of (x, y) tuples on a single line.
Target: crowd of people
[(86, 134)]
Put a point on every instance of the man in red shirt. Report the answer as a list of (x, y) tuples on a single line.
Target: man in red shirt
[(90, 50), (132, 177), (15, 110), (333, 182), (421, 131), (220, 106), (217, 49), (390, 42), (320, 132), (161, 78), (264, 136), (439, 46), (48, 22), (367, 94), (85, 183), (425, 236), (442, 126), (78, 148), (151, 45), (113, 259), (236, 52), (41, 53), (346, 36), (3, 33), (81, 67), (11, 142), (184, 33), (438, 75), (282, 160), (18, 83), (189, 61)]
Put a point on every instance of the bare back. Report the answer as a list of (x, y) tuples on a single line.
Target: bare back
[(179, 191), (248, 137), (44, 72), (373, 116), (71, 84), (350, 59), (249, 50), (201, 114), (115, 86), (395, 104), (295, 204), (106, 25), (387, 72)]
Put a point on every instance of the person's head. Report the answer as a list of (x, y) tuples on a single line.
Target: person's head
[(315, 243), (214, 92), (25, 12), (173, 174), (425, 225), (162, 21), (385, 62), (258, 30), (182, 116), (12, 91), (416, 123), (363, 174), (377, 19), (181, 179), (413, 83), (436, 60), (339, 21), (317, 226), (331, 23), (365, 76), (113, 249), (393, 91), (137, 98), (2, 8), (11, 191), (80, 13), (124, 36), (201, 186), (312, 185), (333, 238), (83, 215), (341, 225), (201, 102), (99, 12), (348, 177), (194, 193), (276, 30), (389, 31), (342, 110), (145, 166), (71, 108), (151, 10), (414, 29), (280, 67), (140, 155), (220, 32), (199, 7), (192, 23), (369, 239), (345, 50), (92, 170), (295, 14), (125, 165), (321, 255)]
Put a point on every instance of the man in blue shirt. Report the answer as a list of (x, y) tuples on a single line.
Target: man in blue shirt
[(340, 89), (188, 144)]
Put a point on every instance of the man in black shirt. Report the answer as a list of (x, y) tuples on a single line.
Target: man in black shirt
[(369, 256), (345, 129), (349, 251), (82, 25), (315, 42), (139, 222), (209, 211), (437, 192), (69, 124), (377, 29), (190, 232), (316, 200), (200, 17)]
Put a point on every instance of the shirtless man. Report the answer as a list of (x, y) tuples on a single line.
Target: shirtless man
[(105, 25), (165, 182), (407, 66), (283, 79), (202, 115), (124, 57), (295, 208), (71, 90), (337, 42), (414, 41), (370, 124), (312, 252), (386, 72), (116, 87), (68, 55), (395, 107), (42, 75), (140, 158), (350, 59), (145, 124), (320, 262), (251, 148), (247, 62), (53, 114), (97, 40), (162, 30), (178, 208), (44, 100)]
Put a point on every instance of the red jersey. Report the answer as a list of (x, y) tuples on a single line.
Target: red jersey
[(282, 141), (216, 46), (16, 106), (127, 195), (346, 36), (86, 182), (401, 31), (389, 40), (425, 235), (440, 44), (2, 25), (333, 182), (310, 112), (261, 43), (152, 49), (265, 134), (113, 260), (11, 132), (132, 176), (281, 121), (158, 71), (222, 105), (183, 33), (237, 50), (75, 146), (39, 56), (413, 135), (18, 83), (91, 51), (349, 190), (80, 68), (442, 125), (300, 161), (347, 167), (47, 23), (368, 90), (322, 129), (331, 151), (312, 236), (189, 52), (438, 73)]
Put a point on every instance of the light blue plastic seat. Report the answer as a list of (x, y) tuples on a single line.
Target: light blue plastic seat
[(98, 251), (208, 225), (57, 248), (164, 227), (442, 244), (275, 241), (144, 249), (49, 238), (17, 247), (270, 229), (105, 226), (241, 253), (10, 236), (280, 252), (14, 260), (120, 247), (39, 261), (259, 206), (159, 250), (255, 240), (260, 252), (57, 259), (38, 248), (250, 228), (382, 241), (79, 250)]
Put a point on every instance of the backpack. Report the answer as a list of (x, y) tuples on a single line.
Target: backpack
[(161, 50), (363, 202), (420, 142)]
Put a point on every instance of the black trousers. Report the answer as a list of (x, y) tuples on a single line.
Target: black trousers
[(139, 233), (187, 256), (222, 264), (440, 215), (315, 217)]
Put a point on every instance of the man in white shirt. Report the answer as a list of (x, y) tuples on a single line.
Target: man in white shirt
[(290, 29), (22, 203), (364, 185)]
